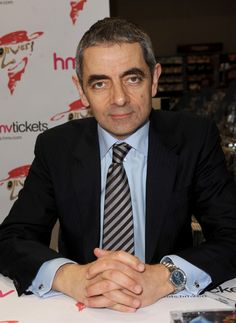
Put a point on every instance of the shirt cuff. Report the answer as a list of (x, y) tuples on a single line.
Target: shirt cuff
[(42, 283), (197, 279)]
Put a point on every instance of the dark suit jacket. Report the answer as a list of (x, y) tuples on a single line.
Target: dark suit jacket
[(186, 175)]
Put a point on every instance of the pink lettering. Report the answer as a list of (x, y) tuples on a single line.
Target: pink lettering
[(56, 60), (61, 63), (5, 128), (72, 60)]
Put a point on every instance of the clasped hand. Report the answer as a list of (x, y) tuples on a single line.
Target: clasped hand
[(116, 280)]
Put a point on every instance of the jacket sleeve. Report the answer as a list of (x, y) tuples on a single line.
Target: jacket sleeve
[(214, 205), (26, 231)]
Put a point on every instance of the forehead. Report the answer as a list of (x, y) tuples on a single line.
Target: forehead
[(111, 57)]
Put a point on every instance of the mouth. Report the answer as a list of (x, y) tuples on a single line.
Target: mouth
[(120, 115)]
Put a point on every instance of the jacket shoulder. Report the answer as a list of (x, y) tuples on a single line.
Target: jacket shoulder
[(181, 127), (69, 131), (177, 119), (73, 126)]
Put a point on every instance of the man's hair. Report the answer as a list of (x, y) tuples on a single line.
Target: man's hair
[(114, 31)]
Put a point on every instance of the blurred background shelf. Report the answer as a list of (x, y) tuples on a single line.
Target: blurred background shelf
[(201, 79)]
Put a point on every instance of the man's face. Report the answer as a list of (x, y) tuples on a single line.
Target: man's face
[(118, 87)]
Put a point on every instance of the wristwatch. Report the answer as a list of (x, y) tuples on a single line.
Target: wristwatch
[(177, 277)]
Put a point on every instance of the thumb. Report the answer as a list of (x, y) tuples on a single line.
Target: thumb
[(98, 252)]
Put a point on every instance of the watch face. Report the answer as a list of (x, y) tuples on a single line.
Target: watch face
[(178, 277)]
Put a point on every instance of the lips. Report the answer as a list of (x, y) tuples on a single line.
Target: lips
[(120, 115)]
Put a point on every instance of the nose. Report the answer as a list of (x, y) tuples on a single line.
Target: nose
[(119, 94)]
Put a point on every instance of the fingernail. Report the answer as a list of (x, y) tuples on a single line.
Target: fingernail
[(141, 267), (137, 289), (136, 303)]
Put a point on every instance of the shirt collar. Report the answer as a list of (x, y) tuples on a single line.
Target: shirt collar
[(138, 140)]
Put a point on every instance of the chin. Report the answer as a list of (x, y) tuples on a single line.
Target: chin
[(123, 134)]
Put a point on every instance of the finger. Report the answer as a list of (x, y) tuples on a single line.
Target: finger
[(123, 280), (114, 271), (123, 308), (101, 252), (104, 264), (108, 300), (101, 287), (122, 256), (120, 297), (113, 281), (98, 301), (104, 302)]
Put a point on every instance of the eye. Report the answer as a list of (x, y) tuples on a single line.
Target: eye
[(99, 85), (1, 51), (134, 79)]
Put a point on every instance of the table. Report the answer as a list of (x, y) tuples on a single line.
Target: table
[(63, 309)]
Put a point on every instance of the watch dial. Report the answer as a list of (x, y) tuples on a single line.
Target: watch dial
[(177, 277)]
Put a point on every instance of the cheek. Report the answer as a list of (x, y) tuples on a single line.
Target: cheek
[(98, 102), (99, 113), (141, 100)]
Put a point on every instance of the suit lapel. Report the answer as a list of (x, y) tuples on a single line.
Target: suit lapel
[(86, 181), (161, 173)]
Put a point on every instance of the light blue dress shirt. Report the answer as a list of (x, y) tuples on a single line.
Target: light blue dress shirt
[(134, 163)]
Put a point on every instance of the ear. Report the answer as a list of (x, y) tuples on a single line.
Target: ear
[(83, 97), (155, 78)]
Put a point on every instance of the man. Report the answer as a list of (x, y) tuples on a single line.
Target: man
[(175, 168)]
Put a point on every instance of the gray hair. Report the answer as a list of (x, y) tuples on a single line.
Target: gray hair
[(114, 31)]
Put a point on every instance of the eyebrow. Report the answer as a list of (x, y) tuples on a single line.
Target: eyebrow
[(98, 77), (134, 70)]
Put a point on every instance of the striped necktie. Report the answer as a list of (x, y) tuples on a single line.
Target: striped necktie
[(118, 231)]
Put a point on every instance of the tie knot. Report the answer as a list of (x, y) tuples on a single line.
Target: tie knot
[(119, 152)]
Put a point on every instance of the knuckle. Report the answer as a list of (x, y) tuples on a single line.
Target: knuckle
[(107, 285), (137, 260), (90, 270), (120, 253), (111, 274), (89, 302), (87, 291), (105, 264)]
